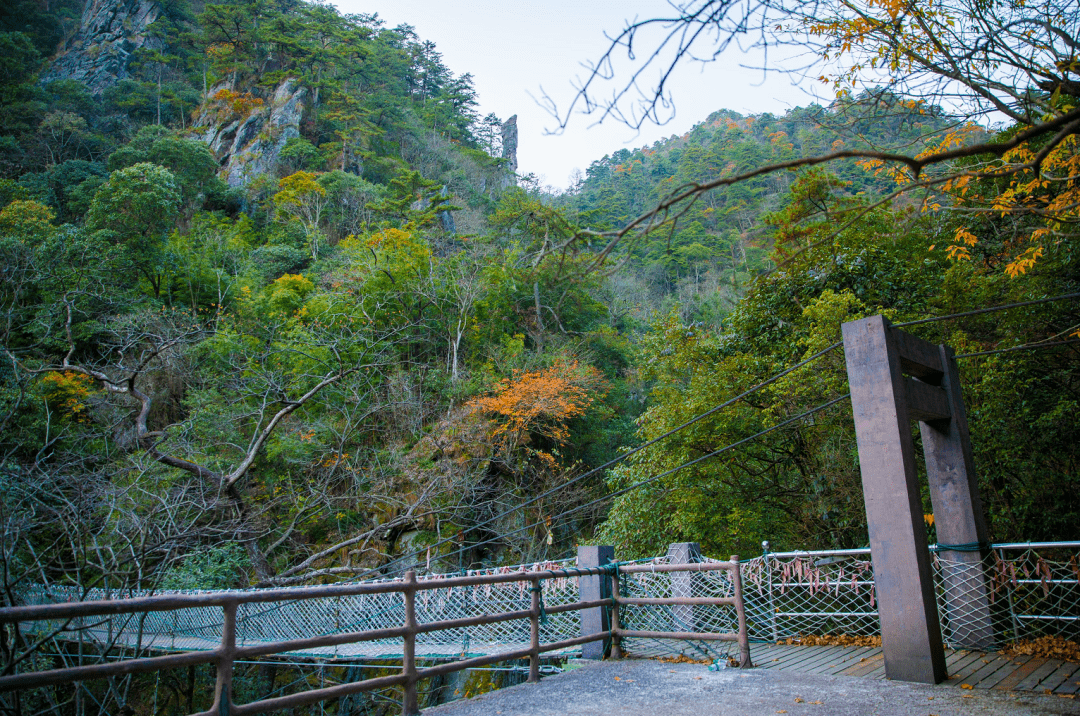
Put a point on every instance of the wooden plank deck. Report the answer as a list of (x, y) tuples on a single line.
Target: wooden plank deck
[(972, 669)]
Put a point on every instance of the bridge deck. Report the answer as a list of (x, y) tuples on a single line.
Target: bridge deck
[(977, 669), (365, 649), (643, 687)]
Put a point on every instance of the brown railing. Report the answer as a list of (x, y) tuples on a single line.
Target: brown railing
[(225, 655)]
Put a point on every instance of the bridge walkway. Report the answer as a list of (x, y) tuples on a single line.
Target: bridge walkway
[(976, 669), (801, 680)]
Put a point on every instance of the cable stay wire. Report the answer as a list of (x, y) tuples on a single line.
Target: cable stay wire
[(683, 426), (690, 463), (609, 463), (989, 309), (692, 421), (655, 478), (736, 444), (1025, 347)]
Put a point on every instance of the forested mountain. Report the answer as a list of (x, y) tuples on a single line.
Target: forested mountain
[(277, 310), (253, 290)]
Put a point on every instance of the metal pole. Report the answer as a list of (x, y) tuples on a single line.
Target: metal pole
[(616, 640), (740, 610), (772, 599), (223, 687), (1009, 594), (409, 706), (534, 633)]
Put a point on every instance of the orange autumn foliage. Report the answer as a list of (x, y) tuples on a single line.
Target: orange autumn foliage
[(68, 393), (541, 402)]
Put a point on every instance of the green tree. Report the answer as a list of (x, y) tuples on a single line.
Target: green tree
[(302, 197), (137, 208)]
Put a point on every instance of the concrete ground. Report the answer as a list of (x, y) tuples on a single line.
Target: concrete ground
[(642, 687)]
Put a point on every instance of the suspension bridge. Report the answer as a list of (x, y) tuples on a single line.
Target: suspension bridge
[(967, 594)]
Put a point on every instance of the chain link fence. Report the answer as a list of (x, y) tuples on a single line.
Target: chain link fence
[(200, 628), (1018, 591)]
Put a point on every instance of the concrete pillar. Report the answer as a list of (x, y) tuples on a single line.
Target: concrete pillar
[(958, 516), (910, 631), (682, 584), (590, 588)]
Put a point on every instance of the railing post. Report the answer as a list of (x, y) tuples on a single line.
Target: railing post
[(223, 691), (682, 584), (772, 597), (409, 706), (616, 625), (740, 612), (1012, 608), (590, 588), (534, 632)]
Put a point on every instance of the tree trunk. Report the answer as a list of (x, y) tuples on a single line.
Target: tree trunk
[(536, 301), (259, 563)]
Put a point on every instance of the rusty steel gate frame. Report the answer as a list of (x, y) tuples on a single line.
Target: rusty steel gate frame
[(228, 652), (896, 378)]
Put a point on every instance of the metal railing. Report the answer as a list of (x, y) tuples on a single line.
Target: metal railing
[(801, 593), (229, 651)]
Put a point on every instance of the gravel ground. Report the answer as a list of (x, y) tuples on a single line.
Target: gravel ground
[(640, 687)]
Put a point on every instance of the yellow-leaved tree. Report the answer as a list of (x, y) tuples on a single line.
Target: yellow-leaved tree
[(301, 197)]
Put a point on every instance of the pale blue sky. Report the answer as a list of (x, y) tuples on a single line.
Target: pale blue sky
[(515, 48)]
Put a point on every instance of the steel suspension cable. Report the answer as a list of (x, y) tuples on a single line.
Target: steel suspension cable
[(609, 463), (990, 309), (655, 478), (700, 417), (1025, 347)]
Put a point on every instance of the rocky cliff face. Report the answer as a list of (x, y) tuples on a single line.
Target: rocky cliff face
[(110, 32), (509, 132), (250, 145)]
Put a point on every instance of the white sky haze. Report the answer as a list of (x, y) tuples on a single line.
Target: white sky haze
[(517, 49)]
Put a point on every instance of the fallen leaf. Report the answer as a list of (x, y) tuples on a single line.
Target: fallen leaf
[(798, 700), (968, 696), (782, 711), (697, 678), (966, 686), (831, 640), (618, 679), (817, 702)]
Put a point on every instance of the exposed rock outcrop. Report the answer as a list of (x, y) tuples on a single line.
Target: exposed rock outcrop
[(509, 132), (250, 145), (109, 34)]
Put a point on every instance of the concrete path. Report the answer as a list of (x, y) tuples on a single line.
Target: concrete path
[(640, 687)]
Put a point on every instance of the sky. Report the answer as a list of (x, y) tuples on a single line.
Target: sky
[(517, 51)]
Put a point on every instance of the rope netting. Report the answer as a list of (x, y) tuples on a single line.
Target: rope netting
[(1016, 592)]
